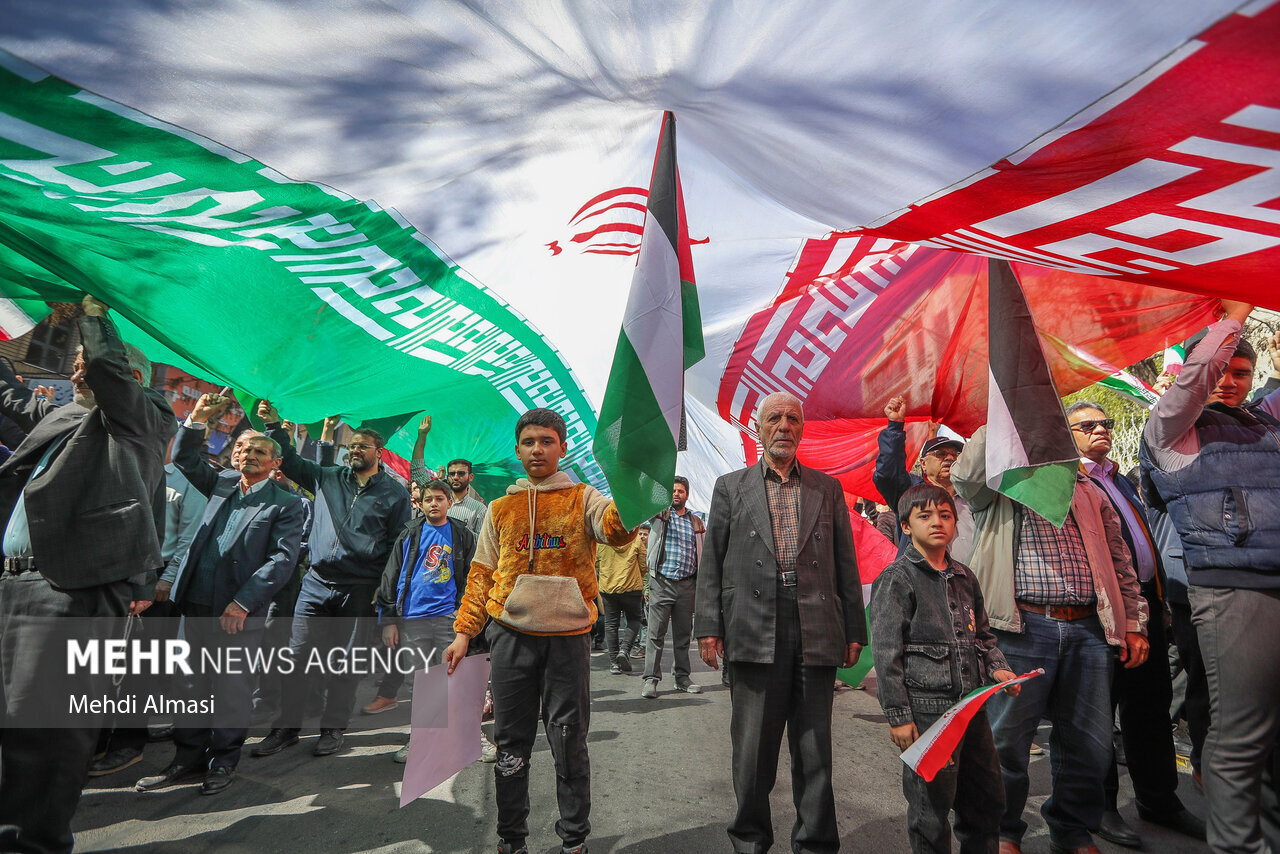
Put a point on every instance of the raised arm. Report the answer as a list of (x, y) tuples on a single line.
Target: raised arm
[(891, 477), (417, 465), (302, 472), (969, 472), (186, 448), (1178, 408), (122, 397)]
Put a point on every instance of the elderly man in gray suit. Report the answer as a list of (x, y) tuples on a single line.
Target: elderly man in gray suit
[(780, 601), (242, 555), (82, 509)]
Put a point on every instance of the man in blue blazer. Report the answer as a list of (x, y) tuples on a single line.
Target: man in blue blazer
[(242, 555)]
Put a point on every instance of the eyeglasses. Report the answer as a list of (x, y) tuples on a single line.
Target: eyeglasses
[(1090, 426), (361, 446), (459, 473), (945, 454)]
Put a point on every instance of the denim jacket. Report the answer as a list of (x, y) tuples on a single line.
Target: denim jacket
[(929, 636)]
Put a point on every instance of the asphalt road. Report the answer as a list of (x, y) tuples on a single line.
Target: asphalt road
[(660, 783)]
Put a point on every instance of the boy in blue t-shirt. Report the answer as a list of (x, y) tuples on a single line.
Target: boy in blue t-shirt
[(422, 585)]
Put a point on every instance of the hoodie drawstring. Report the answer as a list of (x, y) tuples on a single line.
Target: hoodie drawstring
[(533, 515)]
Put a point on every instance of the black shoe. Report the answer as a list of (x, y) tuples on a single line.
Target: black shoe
[(1115, 829), (115, 760), (217, 779), (1181, 821), (163, 733), (622, 662), (276, 741), (330, 742), (177, 772)]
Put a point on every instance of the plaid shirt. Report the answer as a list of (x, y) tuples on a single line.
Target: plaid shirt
[(1052, 567), (784, 513), (678, 560)]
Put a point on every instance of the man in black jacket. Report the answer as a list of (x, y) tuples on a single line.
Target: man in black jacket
[(359, 511), (81, 502)]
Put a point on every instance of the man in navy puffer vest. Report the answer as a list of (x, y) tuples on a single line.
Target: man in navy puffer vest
[(1215, 465)]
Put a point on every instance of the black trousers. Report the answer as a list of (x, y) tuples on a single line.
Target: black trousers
[(216, 743), (552, 672), (1143, 695), (971, 784), (766, 699), (1195, 704), (327, 616), (43, 769)]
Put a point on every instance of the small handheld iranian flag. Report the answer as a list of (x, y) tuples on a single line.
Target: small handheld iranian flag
[(931, 752), (642, 418), (1031, 456)]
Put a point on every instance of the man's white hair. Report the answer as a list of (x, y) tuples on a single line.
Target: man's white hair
[(777, 398)]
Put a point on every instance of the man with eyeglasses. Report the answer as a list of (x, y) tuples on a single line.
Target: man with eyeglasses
[(359, 512), (1214, 464), (1144, 693), (1065, 599), (937, 456)]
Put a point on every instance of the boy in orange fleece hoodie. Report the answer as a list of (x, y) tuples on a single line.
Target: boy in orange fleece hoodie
[(534, 574)]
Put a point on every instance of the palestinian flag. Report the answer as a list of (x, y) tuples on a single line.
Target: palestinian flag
[(1125, 383), (642, 419), (1031, 456), (1173, 358), (931, 752)]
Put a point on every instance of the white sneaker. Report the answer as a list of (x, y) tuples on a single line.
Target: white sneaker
[(488, 750)]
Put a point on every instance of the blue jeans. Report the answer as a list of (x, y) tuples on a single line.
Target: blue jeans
[(1075, 695), (327, 616)]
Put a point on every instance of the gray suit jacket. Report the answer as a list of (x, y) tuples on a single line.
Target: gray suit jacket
[(737, 578), (263, 550), (97, 514)]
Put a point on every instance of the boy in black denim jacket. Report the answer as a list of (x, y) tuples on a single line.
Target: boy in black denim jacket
[(932, 646)]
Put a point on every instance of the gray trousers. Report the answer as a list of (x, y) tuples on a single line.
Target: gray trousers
[(766, 699), (670, 600), (1239, 632)]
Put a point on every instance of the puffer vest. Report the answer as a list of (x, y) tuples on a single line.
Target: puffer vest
[(1225, 505)]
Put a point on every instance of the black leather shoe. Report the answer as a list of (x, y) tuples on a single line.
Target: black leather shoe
[(175, 773), (1115, 829), (1181, 821), (276, 741), (163, 733), (115, 760), (330, 742), (217, 780)]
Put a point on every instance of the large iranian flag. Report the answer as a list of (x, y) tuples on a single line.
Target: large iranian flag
[(641, 423)]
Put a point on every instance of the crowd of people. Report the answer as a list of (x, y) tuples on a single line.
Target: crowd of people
[(276, 550)]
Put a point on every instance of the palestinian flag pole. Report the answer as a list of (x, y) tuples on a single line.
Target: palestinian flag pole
[(1031, 456), (642, 418)]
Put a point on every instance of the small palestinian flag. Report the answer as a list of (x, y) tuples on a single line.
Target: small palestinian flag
[(642, 418), (1031, 456)]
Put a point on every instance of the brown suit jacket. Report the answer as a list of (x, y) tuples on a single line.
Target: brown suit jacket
[(737, 578)]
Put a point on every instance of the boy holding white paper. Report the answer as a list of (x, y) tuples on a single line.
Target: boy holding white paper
[(534, 574), (932, 646)]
